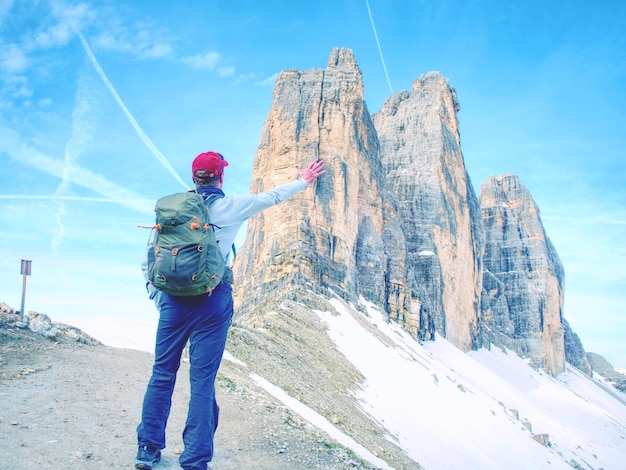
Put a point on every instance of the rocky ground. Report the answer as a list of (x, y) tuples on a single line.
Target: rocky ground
[(69, 405), (603, 368)]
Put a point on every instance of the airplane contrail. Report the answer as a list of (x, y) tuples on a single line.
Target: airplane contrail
[(380, 50), (13, 147), (142, 135), (80, 135), (49, 197)]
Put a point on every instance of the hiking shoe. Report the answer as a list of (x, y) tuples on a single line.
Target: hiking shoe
[(147, 456)]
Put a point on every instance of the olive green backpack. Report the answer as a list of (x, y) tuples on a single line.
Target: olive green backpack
[(185, 259)]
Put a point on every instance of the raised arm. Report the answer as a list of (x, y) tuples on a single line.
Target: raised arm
[(245, 206)]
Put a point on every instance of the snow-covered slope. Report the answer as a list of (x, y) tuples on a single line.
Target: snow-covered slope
[(449, 409)]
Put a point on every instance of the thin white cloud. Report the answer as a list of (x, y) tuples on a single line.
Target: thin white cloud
[(224, 72), (14, 88), (209, 62), (66, 18), (249, 77), (13, 59), (586, 220), (206, 61), (267, 82), (141, 44), (5, 6), (69, 18), (151, 42), (146, 40), (157, 51), (54, 29)]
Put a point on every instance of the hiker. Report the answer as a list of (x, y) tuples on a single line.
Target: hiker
[(202, 319)]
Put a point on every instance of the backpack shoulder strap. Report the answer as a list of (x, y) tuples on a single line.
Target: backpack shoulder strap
[(211, 198)]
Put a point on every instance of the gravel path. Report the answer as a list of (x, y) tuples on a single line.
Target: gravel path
[(64, 405)]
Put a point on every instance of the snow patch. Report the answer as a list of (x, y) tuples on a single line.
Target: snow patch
[(426, 253), (449, 409)]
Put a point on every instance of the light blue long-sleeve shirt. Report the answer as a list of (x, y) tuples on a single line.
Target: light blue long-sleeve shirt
[(230, 212)]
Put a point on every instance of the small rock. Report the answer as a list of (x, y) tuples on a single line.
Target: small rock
[(543, 439)]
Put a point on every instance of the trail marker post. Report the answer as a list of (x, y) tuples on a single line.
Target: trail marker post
[(24, 271)]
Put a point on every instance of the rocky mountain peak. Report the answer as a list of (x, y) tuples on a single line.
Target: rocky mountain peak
[(497, 189), (396, 221), (342, 58), (431, 81)]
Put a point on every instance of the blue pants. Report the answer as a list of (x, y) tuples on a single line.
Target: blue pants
[(204, 321)]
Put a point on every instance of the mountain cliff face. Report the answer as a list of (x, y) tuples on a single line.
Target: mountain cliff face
[(344, 235), (423, 164), (575, 352), (523, 277), (395, 220), (602, 367)]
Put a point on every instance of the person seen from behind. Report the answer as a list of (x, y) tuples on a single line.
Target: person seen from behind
[(203, 320)]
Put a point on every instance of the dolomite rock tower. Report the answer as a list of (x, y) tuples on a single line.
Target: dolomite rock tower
[(523, 278), (343, 235), (395, 220), (422, 160)]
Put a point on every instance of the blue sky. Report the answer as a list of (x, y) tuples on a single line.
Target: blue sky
[(103, 106)]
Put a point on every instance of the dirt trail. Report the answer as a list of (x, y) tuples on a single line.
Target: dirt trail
[(64, 405)]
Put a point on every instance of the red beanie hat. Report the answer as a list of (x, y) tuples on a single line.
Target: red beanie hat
[(211, 162)]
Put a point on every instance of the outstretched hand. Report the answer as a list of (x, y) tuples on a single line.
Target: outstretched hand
[(311, 172)]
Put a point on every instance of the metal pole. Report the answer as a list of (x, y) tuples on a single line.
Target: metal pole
[(25, 271), (23, 298)]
